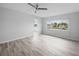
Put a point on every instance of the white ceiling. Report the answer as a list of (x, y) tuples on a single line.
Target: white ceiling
[(53, 8)]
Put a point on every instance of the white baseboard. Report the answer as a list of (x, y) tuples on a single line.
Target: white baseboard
[(15, 39)]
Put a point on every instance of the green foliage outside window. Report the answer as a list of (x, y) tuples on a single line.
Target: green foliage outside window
[(55, 25)]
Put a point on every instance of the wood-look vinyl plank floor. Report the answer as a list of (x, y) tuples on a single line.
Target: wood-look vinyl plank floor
[(41, 46)]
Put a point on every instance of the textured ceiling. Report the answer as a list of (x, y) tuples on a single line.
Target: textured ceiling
[(53, 8)]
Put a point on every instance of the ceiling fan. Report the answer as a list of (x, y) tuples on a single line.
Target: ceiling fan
[(36, 6)]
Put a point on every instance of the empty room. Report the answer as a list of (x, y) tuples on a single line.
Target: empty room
[(39, 29)]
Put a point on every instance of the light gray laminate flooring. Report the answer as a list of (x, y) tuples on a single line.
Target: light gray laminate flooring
[(43, 45)]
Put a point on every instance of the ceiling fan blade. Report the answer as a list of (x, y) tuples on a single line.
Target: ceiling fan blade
[(42, 9), (31, 5)]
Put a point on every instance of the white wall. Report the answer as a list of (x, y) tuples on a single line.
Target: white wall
[(14, 25), (71, 33)]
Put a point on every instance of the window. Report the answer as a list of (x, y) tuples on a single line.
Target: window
[(57, 24)]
